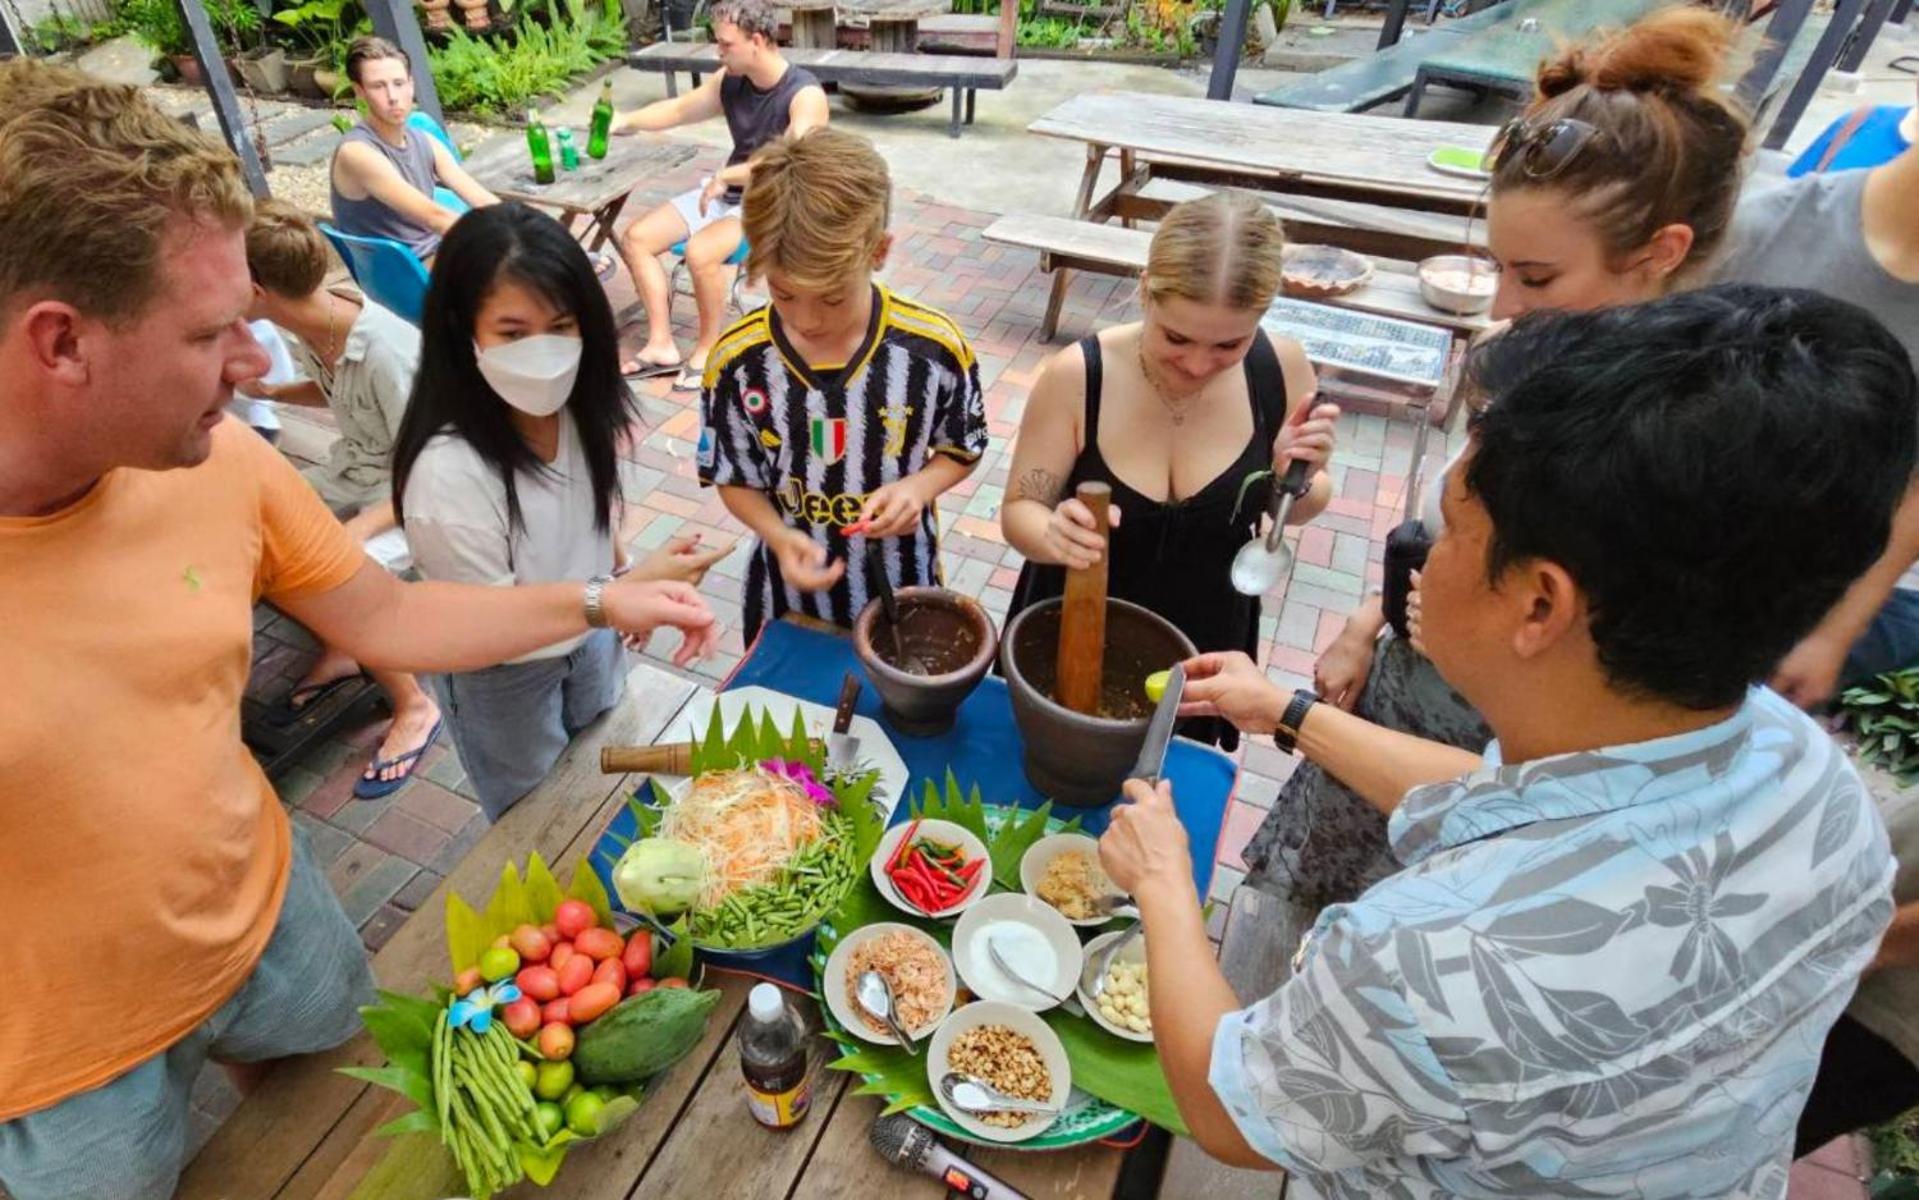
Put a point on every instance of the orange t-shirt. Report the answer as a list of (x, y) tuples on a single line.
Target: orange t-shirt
[(143, 852)]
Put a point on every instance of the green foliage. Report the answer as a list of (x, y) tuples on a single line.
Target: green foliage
[(1895, 1154), (157, 24), (66, 31), (494, 75), (1055, 33), (1885, 715), (316, 26)]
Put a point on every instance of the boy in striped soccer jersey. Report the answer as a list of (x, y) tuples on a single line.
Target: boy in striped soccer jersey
[(839, 412)]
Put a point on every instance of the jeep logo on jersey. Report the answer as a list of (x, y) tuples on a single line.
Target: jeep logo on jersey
[(829, 439)]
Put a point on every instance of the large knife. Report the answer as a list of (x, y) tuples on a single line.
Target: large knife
[(1159, 732), (842, 748)]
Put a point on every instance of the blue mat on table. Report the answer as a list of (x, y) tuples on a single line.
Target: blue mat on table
[(983, 747)]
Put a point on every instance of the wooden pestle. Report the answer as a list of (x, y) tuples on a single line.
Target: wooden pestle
[(1082, 616), (667, 758)]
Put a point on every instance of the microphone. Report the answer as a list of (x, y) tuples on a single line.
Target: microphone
[(903, 1142)]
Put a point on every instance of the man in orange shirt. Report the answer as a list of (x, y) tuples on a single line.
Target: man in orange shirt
[(160, 911)]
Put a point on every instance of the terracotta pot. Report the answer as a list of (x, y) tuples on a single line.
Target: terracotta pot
[(1071, 757), (189, 68), (948, 642)]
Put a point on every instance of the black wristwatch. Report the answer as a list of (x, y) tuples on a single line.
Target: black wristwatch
[(1286, 735)]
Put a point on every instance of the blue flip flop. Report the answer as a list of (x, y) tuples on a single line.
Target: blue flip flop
[(365, 788)]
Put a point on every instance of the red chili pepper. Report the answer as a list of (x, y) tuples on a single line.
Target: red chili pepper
[(917, 864), (909, 887), (906, 843)]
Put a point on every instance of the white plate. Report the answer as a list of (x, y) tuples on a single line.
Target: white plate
[(833, 983), (1135, 953), (1033, 864), (984, 1012), (876, 749), (985, 980), (946, 833)]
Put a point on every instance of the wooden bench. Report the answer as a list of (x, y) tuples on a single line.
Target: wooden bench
[(1372, 229), (1065, 244), (963, 75)]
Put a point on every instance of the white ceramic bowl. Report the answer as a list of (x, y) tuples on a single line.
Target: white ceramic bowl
[(835, 985), (1042, 922), (946, 833), (1135, 953), (1033, 864), (1441, 283), (985, 1012)]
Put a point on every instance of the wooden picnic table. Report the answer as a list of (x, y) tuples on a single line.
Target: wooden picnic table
[(597, 190), (307, 1131)]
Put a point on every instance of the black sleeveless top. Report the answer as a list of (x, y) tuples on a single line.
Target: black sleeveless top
[(1175, 556), (756, 117)]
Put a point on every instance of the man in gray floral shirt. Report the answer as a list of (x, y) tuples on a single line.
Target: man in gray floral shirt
[(1622, 934)]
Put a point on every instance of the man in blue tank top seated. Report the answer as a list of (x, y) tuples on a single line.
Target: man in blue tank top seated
[(762, 97), (385, 171)]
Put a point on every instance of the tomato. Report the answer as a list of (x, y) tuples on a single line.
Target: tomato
[(591, 1001), (556, 1041), (558, 1012), (576, 974), (637, 958), (522, 1017), (673, 983), (498, 963), (639, 986), (466, 981), (531, 945), (611, 972), (541, 982), (573, 916), (560, 953), (552, 932), (600, 944)]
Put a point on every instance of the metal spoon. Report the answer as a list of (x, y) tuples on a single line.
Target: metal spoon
[(1262, 562), (874, 994), (1011, 973), (978, 1096)]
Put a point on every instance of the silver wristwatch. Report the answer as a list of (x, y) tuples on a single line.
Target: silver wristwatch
[(594, 600)]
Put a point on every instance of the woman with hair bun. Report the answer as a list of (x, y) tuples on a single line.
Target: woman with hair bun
[(1615, 186)]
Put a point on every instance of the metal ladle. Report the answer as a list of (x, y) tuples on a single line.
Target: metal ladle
[(1265, 560), (874, 994), (978, 1096)]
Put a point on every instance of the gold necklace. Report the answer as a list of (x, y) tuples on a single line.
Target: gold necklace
[(1175, 409)]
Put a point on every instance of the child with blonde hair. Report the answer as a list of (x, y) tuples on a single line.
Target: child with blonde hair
[(840, 411)]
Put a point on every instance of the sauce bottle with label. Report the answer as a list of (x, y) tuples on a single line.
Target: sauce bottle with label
[(774, 1060)]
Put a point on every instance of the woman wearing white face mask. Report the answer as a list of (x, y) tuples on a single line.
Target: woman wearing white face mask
[(506, 472)]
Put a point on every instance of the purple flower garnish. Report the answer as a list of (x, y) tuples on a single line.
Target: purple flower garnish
[(803, 775)]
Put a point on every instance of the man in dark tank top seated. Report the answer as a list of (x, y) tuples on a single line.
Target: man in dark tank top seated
[(385, 171), (762, 97)]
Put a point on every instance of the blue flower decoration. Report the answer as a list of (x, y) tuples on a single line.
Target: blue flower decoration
[(475, 1009)]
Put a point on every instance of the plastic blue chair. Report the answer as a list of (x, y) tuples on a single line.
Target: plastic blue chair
[(444, 197), (735, 259), (387, 271)]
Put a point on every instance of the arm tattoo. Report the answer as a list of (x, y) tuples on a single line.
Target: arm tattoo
[(1038, 484)]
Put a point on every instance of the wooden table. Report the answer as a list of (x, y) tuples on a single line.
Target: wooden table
[(1372, 161), (597, 190), (892, 27), (307, 1131)]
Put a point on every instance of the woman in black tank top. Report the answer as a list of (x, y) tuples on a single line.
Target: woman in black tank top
[(1177, 414)]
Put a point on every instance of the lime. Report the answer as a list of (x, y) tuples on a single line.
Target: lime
[(498, 962), (573, 1091), (549, 1118), (1156, 685), (527, 1072), (552, 1079), (583, 1114)]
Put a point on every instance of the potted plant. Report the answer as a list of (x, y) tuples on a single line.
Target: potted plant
[(315, 28), (157, 25)]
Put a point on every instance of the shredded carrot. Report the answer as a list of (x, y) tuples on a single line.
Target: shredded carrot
[(747, 823)]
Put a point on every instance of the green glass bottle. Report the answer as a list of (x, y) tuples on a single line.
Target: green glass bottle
[(602, 122), (538, 145)]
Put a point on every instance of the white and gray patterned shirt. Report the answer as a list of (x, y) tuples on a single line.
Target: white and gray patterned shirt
[(1606, 974)]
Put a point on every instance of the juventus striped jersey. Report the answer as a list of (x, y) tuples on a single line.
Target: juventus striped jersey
[(818, 441)]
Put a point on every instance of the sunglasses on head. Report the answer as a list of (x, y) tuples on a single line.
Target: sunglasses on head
[(1544, 148)]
